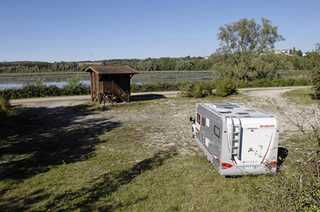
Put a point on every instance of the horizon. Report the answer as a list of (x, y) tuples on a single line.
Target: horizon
[(100, 60), (61, 31)]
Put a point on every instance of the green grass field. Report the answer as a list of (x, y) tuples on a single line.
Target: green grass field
[(123, 174), (52, 160)]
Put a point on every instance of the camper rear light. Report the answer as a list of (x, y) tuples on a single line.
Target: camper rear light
[(271, 164), (226, 165)]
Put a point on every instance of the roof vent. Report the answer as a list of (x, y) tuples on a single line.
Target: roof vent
[(243, 113)]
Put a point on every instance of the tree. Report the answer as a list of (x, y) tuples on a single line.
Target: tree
[(317, 48), (183, 65), (296, 52), (247, 36), (316, 84), (314, 57), (241, 41)]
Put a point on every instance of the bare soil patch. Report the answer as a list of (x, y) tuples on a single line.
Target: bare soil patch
[(167, 119)]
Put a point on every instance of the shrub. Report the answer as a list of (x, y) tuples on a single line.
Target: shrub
[(316, 84), (185, 88), (225, 87), (74, 87), (154, 87), (196, 89)]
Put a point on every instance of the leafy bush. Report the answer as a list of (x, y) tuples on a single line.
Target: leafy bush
[(226, 87), (185, 88), (316, 84), (74, 87), (196, 89), (154, 87)]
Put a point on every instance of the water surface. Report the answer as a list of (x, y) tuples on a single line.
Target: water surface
[(61, 79)]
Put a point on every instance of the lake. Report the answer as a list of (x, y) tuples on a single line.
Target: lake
[(61, 79)]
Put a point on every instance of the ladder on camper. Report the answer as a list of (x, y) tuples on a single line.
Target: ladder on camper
[(236, 138)]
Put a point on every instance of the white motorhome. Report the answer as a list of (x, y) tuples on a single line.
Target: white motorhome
[(237, 140)]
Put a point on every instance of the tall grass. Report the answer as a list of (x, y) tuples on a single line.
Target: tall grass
[(298, 187)]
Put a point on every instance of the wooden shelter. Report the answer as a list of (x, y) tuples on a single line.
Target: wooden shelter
[(110, 82)]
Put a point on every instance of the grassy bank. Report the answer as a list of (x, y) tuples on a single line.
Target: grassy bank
[(199, 87)]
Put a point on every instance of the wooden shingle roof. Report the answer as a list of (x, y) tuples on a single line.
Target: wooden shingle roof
[(111, 69)]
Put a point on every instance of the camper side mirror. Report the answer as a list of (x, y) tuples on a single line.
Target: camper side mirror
[(192, 119)]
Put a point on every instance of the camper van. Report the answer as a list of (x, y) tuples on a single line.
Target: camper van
[(237, 140)]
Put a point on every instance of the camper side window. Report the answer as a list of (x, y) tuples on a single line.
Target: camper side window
[(203, 121), (207, 122), (216, 131), (198, 118)]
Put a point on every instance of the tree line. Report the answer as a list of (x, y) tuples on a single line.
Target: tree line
[(271, 61), (37, 67), (261, 65), (265, 64), (149, 64)]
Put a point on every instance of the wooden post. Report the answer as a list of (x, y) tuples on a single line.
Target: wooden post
[(91, 84)]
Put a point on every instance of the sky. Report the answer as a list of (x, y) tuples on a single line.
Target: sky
[(73, 30)]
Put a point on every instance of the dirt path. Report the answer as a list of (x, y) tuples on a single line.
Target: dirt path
[(75, 100), (63, 100), (292, 117), (271, 97)]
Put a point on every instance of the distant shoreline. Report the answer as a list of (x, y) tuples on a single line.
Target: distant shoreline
[(39, 73), (81, 72)]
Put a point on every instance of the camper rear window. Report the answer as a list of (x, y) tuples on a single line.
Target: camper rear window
[(198, 118), (216, 131)]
